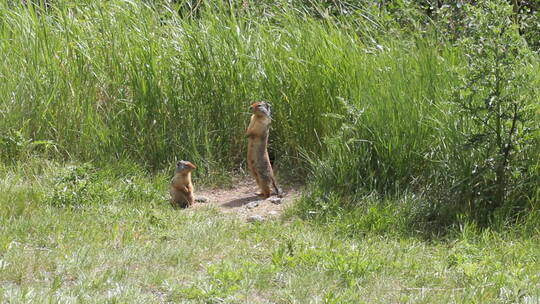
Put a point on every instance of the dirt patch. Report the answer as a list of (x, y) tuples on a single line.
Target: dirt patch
[(239, 199)]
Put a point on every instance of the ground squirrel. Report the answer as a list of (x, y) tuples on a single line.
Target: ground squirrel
[(258, 160), (181, 187)]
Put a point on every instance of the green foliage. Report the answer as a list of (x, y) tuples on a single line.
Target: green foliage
[(12, 145), (467, 143), (72, 187), (496, 110), (15, 146), (529, 24), (83, 185), (525, 14)]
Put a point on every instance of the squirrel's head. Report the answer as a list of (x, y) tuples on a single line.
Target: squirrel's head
[(261, 108), (184, 166)]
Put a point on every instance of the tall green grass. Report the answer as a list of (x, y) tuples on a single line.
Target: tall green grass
[(127, 80)]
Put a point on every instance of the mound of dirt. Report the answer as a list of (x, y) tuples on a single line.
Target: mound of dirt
[(242, 200)]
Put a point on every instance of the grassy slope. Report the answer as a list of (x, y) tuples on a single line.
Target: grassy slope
[(128, 245)]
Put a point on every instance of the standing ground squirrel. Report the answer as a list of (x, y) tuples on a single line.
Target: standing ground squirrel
[(181, 189), (258, 160)]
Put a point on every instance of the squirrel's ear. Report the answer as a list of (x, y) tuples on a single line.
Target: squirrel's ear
[(189, 164)]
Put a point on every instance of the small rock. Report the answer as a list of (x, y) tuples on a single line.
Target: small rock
[(255, 218), (253, 204), (202, 199), (273, 213), (275, 200)]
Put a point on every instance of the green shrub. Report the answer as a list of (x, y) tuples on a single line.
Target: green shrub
[(465, 142), (15, 146), (73, 186), (495, 105), (81, 185), (12, 145)]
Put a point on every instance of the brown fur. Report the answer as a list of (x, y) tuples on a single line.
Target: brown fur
[(258, 160), (181, 188)]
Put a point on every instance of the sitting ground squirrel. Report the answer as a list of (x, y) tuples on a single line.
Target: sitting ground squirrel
[(258, 160), (181, 189)]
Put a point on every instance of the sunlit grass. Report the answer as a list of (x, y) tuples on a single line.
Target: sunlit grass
[(131, 246)]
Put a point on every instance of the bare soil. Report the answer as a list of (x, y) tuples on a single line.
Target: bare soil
[(235, 200)]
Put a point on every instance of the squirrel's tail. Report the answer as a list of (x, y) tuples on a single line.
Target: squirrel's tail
[(278, 193)]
